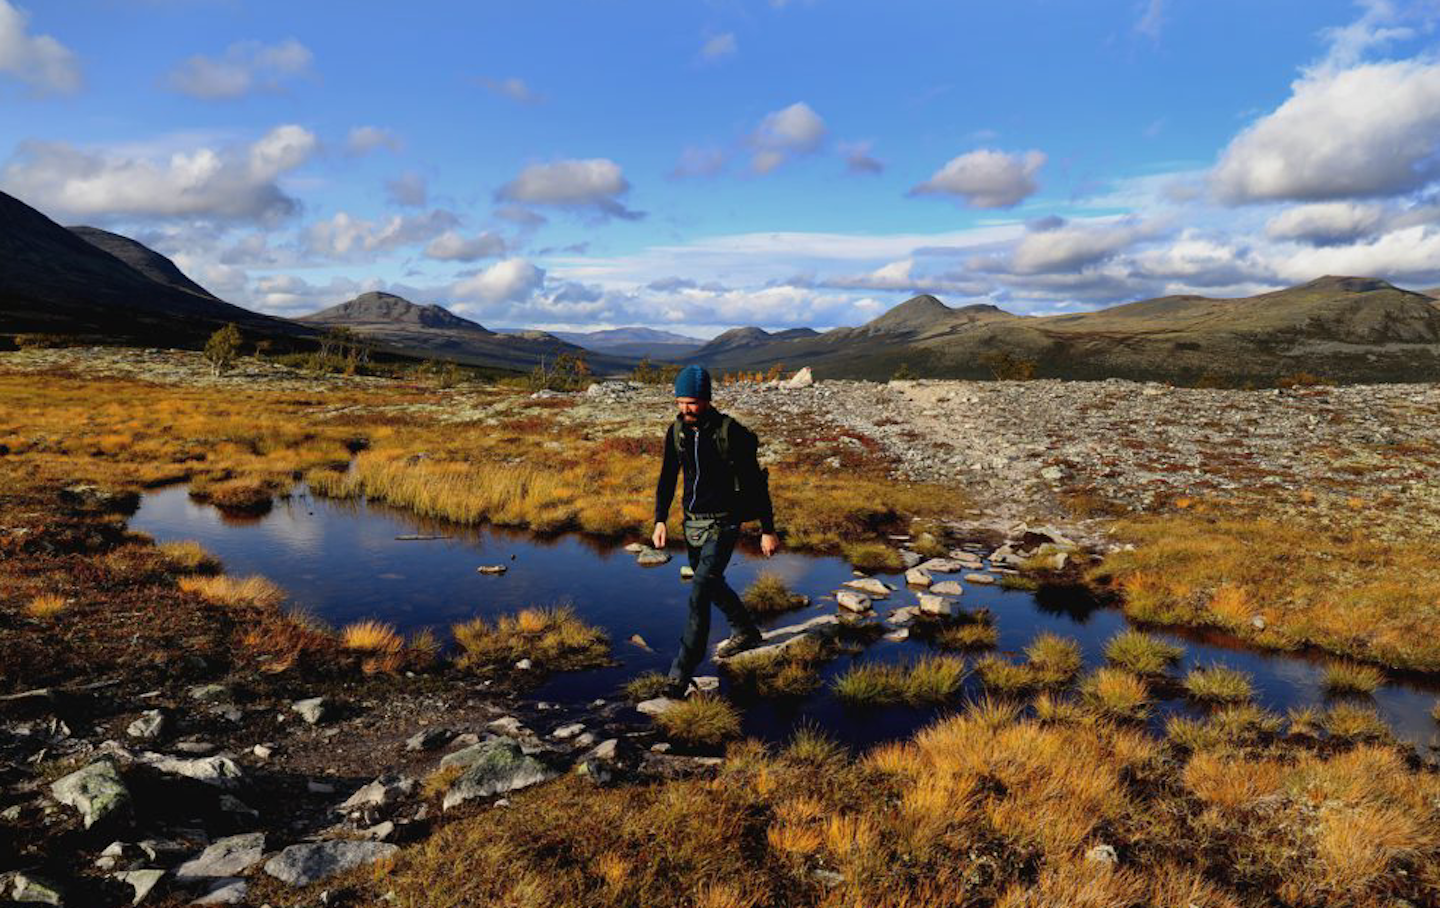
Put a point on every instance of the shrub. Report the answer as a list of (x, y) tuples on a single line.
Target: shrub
[(1139, 652), (651, 373), (1116, 694), (769, 594), (569, 372), (555, 638), (701, 719), (222, 348), (1352, 678), (1219, 684), (1007, 366)]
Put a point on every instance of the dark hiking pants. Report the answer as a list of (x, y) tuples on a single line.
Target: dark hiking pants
[(709, 542)]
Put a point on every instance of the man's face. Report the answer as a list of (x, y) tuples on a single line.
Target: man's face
[(691, 408)]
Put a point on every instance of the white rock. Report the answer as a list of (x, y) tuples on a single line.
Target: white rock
[(870, 586), (656, 706), (524, 665), (227, 857), (853, 601), (150, 725), (382, 792), (566, 732), (801, 379), (142, 881), (918, 577), (937, 605), (942, 566), (948, 588), (981, 579), (314, 710), (301, 865)]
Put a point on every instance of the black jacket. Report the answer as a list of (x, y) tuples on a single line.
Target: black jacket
[(709, 486)]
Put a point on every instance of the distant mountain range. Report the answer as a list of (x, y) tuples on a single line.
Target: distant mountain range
[(101, 286), (1339, 328)]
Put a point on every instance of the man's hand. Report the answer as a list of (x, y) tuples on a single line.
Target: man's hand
[(769, 544), (658, 537)]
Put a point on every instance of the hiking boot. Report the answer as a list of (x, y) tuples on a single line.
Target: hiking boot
[(738, 643), (676, 688)]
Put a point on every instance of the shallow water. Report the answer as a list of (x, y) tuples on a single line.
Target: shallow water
[(340, 561)]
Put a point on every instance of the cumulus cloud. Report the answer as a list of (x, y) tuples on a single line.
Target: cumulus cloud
[(1410, 255), (696, 161), (986, 178), (289, 295), (786, 134), (593, 184), (451, 246), (365, 139), (245, 67), (718, 46), (344, 235), (506, 281), (236, 183), (41, 62), (409, 189), (1071, 247), (513, 88), (1326, 223), (858, 158)]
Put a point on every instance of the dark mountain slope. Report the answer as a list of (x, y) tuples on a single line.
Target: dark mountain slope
[(142, 258)]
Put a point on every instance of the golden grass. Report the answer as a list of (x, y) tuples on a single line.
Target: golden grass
[(1354, 721), (1352, 678), (1116, 694), (872, 556), (791, 672), (770, 595), (1002, 676), (646, 686), (554, 639), (1354, 594), (46, 606), (1139, 652), (969, 636), (1053, 659), (1218, 684), (189, 557), (929, 679), (253, 591), (702, 719), (370, 636)]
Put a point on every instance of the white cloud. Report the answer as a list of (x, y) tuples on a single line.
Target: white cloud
[(289, 295), (236, 182), (785, 134), (858, 158), (1410, 255), (986, 178), (451, 246), (511, 280), (408, 189), (513, 88), (718, 46), (1325, 223), (1152, 19), (1196, 261), (365, 139), (40, 61), (1072, 247), (1376, 26), (696, 161), (344, 235), (1367, 131), (594, 183), (245, 67)]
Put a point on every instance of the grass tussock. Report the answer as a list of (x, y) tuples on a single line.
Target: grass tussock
[(1352, 678), (189, 558), (1355, 722), (1141, 653), (46, 606), (1116, 694), (370, 636), (975, 635), (872, 556), (254, 591), (1218, 684), (1229, 727), (1053, 660), (646, 686), (930, 679), (770, 595), (1353, 594), (555, 639), (790, 672), (1001, 676), (703, 719)]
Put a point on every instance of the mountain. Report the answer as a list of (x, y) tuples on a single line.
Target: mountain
[(634, 342), (738, 340), (57, 281), (434, 332), (1340, 328), (142, 258)]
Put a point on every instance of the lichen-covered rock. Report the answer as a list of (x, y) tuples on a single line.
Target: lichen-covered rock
[(301, 865), (227, 857), (499, 766), (97, 791)]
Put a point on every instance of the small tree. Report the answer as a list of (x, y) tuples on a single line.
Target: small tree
[(222, 348)]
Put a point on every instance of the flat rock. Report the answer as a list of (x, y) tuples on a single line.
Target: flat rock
[(942, 566), (227, 857), (211, 693), (982, 579), (219, 771), (142, 881), (313, 710), (494, 569), (36, 890), (652, 557), (904, 616), (635, 548), (228, 891), (853, 601), (872, 587), (501, 767), (656, 705), (566, 732), (301, 865), (151, 724), (637, 640), (947, 588), (97, 791), (429, 739), (940, 606), (382, 792), (779, 638)]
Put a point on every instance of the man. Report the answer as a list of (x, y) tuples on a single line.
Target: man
[(724, 486)]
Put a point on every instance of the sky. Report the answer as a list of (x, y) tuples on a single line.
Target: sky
[(697, 165)]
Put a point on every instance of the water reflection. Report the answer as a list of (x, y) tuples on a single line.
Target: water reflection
[(340, 561)]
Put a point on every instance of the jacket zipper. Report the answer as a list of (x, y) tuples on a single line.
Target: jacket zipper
[(695, 487)]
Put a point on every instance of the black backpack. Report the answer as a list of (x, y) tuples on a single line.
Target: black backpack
[(749, 502)]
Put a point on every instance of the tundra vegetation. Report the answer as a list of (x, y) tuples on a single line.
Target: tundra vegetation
[(1017, 799)]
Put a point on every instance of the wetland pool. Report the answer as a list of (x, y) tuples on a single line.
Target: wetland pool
[(340, 561)]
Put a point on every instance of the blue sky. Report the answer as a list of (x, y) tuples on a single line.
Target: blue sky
[(701, 165)]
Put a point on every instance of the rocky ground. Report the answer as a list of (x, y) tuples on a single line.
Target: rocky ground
[(193, 786)]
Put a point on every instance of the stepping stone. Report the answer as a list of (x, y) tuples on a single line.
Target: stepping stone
[(947, 588), (918, 577), (982, 579), (870, 586), (853, 601)]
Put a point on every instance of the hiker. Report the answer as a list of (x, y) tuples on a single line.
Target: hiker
[(724, 487)]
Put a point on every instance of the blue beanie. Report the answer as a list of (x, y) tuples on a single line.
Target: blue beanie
[(693, 381)]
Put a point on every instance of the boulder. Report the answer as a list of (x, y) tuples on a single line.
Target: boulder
[(498, 768), (429, 739), (872, 587), (36, 890), (150, 725), (939, 606), (97, 791), (226, 891), (227, 857), (852, 601), (566, 732), (301, 865), (982, 579), (222, 772), (802, 379), (657, 705), (918, 577), (142, 881), (382, 792), (314, 710), (947, 588)]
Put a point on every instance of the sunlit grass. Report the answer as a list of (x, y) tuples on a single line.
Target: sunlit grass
[(235, 591), (1139, 652), (970, 636), (1354, 721), (370, 636), (189, 558), (553, 638), (646, 686), (793, 671), (1116, 694), (769, 595), (702, 719), (1002, 676), (930, 679), (1352, 678), (1218, 684), (872, 556), (46, 606), (1053, 659)]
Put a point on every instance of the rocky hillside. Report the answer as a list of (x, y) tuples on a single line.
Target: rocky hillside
[(1340, 328)]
